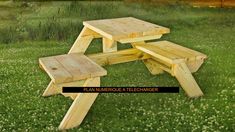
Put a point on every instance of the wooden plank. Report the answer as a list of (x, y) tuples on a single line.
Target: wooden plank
[(139, 39), (186, 80), (55, 70), (94, 69), (80, 107), (109, 45), (146, 28), (123, 28), (176, 47), (51, 89), (194, 65), (80, 66), (79, 83), (158, 53), (153, 67), (168, 47), (76, 68), (83, 41), (78, 110), (120, 56), (80, 45), (130, 51), (193, 58), (98, 26)]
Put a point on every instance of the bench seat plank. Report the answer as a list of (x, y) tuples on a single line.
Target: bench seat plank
[(71, 67), (159, 53), (55, 70), (93, 68), (170, 53), (179, 50)]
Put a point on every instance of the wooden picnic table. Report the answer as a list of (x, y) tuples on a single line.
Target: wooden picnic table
[(77, 69)]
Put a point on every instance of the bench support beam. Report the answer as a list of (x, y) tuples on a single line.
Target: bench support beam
[(153, 68), (120, 56), (51, 90)]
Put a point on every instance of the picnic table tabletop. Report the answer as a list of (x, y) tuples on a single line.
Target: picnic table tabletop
[(119, 29)]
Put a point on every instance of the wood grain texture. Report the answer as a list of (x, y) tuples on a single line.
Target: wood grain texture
[(80, 107), (55, 70), (124, 28), (158, 53), (71, 67), (170, 53), (83, 41), (109, 45), (51, 89), (186, 80), (120, 56)]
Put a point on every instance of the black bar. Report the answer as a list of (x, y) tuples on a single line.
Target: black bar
[(120, 89)]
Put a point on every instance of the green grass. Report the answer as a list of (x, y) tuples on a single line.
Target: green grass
[(209, 30)]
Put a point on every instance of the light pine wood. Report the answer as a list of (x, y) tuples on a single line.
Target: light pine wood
[(186, 80), (80, 46), (139, 39), (194, 65), (80, 106), (154, 68), (79, 83), (175, 59), (178, 50), (158, 53), (83, 41), (51, 89), (125, 28), (120, 56), (55, 70), (71, 67), (76, 69), (170, 53), (109, 45)]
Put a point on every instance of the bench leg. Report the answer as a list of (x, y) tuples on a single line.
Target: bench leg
[(80, 106), (186, 80)]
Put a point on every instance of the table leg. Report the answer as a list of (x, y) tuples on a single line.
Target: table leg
[(83, 41), (109, 45)]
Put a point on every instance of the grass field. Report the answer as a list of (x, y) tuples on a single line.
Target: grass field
[(31, 31)]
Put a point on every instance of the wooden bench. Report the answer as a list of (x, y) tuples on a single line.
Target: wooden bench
[(177, 60), (72, 70)]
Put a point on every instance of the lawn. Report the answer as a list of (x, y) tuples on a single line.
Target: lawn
[(35, 30)]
